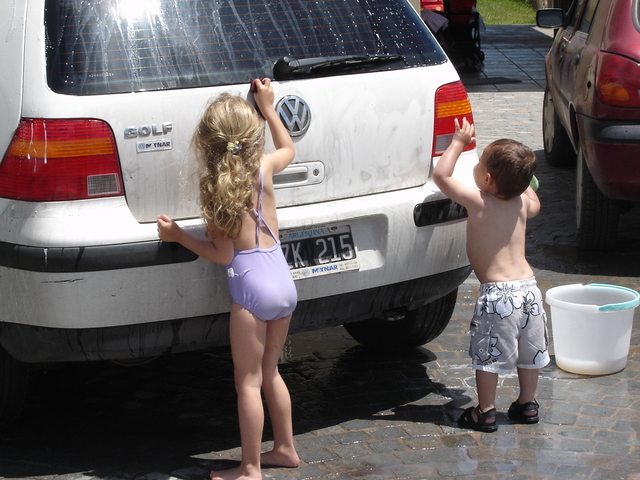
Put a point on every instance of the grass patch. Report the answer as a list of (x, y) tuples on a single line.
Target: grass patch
[(507, 12)]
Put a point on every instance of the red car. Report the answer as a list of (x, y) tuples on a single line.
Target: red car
[(591, 114)]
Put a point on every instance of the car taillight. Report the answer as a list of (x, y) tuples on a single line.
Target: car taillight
[(451, 102), (52, 160), (618, 80)]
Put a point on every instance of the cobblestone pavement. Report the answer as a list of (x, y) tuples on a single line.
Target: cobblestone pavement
[(360, 414)]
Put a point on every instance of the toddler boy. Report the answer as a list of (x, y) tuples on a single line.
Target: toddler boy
[(509, 327)]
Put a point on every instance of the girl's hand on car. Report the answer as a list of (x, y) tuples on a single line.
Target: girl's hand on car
[(168, 230), (263, 93)]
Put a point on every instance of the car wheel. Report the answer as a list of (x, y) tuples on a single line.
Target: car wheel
[(557, 146), (596, 215), (14, 380), (416, 328)]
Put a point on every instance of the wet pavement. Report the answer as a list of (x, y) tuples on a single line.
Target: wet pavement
[(361, 414)]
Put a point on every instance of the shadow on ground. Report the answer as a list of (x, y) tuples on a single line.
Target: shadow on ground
[(168, 415)]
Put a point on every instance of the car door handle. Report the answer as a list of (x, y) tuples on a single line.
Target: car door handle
[(563, 45), (300, 174)]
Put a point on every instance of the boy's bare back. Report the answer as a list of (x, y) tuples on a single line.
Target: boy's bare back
[(496, 238)]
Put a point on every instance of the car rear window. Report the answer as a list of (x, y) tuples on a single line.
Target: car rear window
[(106, 46)]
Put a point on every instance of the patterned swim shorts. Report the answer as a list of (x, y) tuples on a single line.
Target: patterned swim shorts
[(509, 327)]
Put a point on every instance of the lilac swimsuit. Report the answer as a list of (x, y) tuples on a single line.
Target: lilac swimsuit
[(260, 279)]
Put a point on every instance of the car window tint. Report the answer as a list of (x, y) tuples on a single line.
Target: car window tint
[(587, 16), (115, 46)]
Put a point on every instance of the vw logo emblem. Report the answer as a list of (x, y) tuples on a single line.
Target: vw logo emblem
[(295, 114)]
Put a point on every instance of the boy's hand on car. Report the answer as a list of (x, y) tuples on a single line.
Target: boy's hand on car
[(464, 133)]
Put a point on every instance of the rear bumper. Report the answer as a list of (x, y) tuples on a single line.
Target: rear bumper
[(40, 344), (155, 253), (94, 258), (612, 152)]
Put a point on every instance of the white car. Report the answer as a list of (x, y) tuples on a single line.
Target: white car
[(99, 101)]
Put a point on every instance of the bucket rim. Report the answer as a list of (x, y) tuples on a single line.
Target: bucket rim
[(592, 308), (617, 306)]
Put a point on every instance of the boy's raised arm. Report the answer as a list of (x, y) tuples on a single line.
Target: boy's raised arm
[(534, 202), (443, 171)]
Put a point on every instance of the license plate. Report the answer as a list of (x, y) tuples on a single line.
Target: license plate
[(320, 250)]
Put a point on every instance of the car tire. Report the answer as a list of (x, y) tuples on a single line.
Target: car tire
[(558, 149), (596, 215), (416, 328), (14, 381)]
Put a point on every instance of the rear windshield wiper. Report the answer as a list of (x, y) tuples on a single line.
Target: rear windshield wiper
[(288, 65)]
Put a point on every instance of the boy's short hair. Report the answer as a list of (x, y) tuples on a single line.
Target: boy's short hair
[(512, 166)]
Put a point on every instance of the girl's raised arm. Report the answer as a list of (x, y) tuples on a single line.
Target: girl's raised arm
[(285, 150)]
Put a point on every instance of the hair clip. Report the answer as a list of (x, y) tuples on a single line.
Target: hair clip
[(234, 147)]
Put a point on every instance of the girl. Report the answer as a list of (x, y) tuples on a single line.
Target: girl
[(238, 204)]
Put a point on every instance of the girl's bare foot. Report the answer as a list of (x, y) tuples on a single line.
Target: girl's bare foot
[(238, 473), (280, 458)]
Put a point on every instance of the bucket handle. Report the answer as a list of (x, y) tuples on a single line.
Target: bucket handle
[(617, 306)]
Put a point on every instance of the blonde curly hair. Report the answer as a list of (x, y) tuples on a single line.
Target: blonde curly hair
[(229, 142)]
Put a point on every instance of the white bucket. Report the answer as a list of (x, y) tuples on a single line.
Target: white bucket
[(591, 327)]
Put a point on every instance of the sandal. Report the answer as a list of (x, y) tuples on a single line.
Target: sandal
[(517, 411), (466, 420)]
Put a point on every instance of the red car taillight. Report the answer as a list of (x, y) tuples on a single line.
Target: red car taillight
[(53, 160), (451, 102), (618, 80)]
